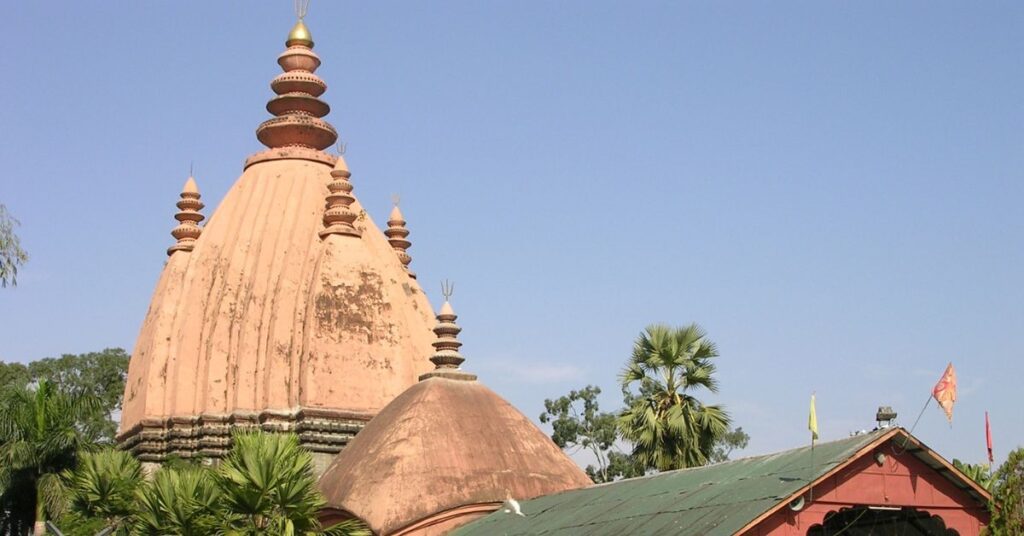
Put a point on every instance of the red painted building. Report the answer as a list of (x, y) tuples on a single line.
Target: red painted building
[(882, 483), (894, 481)]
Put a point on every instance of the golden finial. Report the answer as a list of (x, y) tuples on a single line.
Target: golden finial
[(300, 34)]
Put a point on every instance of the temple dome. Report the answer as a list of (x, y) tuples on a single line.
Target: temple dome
[(446, 451), (275, 315), (445, 446)]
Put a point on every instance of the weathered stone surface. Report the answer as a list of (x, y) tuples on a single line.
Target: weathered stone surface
[(282, 315), (443, 453), (265, 321)]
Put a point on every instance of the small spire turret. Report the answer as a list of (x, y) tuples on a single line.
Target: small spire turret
[(339, 218), (446, 358), (188, 217), (398, 235)]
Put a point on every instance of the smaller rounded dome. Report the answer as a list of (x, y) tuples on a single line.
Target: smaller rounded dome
[(444, 444)]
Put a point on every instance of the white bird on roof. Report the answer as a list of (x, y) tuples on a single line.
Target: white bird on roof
[(511, 506)]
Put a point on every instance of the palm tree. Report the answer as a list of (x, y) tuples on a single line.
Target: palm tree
[(269, 488), (41, 434), (104, 486), (179, 500), (265, 485), (668, 426)]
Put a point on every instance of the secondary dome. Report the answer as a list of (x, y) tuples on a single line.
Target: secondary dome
[(289, 310), (446, 451)]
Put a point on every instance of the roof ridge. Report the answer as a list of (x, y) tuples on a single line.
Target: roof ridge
[(859, 437), (872, 433)]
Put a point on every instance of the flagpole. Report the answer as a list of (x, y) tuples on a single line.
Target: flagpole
[(911, 432), (812, 424), (810, 485), (919, 415)]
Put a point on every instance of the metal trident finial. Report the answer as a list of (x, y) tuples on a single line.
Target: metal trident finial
[(341, 147), (191, 164), (301, 7), (447, 289), (395, 198)]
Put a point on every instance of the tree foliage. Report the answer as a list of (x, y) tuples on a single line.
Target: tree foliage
[(734, 439), (978, 472), (668, 426), (104, 486), (265, 485), (12, 256), (98, 375), (577, 422), (41, 435), (13, 376), (620, 465), (181, 500), (1008, 495)]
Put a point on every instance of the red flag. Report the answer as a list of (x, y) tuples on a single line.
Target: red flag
[(945, 392), (988, 438)]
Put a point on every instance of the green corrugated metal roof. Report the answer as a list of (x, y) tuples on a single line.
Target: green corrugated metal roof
[(712, 500)]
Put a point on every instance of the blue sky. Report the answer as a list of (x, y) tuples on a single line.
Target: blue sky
[(832, 190)]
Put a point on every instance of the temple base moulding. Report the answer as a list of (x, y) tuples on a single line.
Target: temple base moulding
[(323, 432)]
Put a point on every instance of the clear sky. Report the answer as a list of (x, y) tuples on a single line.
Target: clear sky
[(832, 189)]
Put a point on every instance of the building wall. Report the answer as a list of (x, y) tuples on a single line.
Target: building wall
[(901, 480)]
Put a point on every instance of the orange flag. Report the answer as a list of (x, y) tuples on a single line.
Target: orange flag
[(945, 392)]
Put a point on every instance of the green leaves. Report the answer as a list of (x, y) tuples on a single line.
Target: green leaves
[(104, 485), (12, 255), (577, 422), (670, 428), (978, 472), (268, 486), (265, 485), (181, 501), (99, 376), (41, 434), (1008, 495)]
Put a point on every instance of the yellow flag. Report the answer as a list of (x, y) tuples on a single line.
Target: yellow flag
[(812, 422)]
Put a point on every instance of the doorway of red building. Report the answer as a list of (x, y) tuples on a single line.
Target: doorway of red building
[(881, 521)]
